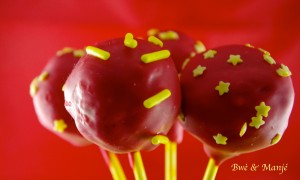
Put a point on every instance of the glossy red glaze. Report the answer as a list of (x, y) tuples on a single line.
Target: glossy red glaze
[(106, 97), (49, 99), (180, 48), (251, 82)]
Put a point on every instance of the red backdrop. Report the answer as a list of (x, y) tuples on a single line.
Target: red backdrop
[(32, 31)]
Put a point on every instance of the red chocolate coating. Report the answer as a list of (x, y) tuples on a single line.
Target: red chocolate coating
[(180, 48), (251, 82), (106, 97), (49, 99)]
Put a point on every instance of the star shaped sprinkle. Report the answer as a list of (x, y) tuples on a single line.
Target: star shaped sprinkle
[(262, 109), (59, 125), (276, 139), (249, 45), (199, 47), (234, 59), (283, 71), (269, 59), (264, 51), (257, 122), (209, 54), (223, 87), (220, 139), (198, 70)]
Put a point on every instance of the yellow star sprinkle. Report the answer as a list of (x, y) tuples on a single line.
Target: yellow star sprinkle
[(209, 54), (234, 59), (157, 98), (283, 71), (155, 56), (199, 47), (269, 59), (168, 35), (257, 122), (220, 139), (243, 129), (59, 125), (155, 41), (223, 87), (276, 139), (99, 53), (129, 41), (262, 109), (198, 70)]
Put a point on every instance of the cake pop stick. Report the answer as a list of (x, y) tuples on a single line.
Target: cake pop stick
[(113, 164), (137, 165), (170, 156), (211, 170)]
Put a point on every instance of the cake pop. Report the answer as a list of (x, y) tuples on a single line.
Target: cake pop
[(236, 99), (48, 97)]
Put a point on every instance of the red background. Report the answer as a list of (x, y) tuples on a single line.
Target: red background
[(32, 31)]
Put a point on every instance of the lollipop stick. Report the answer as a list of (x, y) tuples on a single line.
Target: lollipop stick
[(113, 164), (170, 156), (211, 170), (171, 161), (137, 166)]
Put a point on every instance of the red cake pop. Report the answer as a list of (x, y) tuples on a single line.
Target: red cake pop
[(122, 93), (236, 99), (181, 46), (48, 97)]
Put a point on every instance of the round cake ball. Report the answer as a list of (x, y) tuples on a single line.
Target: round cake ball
[(181, 46), (124, 92), (236, 99), (48, 97)]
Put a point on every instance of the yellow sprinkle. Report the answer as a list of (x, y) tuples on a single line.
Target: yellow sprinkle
[(262, 109), (284, 71), (269, 59), (243, 129), (276, 139), (78, 53), (59, 125), (129, 41), (65, 50), (185, 62), (157, 98), (99, 53), (222, 87), (168, 35), (199, 47), (198, 70), (159, 139), (209, 54), (264, 51), (43, 76), (220, 139), (234, 59), (155, 41), (257, 122), (181, 116), (63, 88), (33, 86), (155, 56), (249, 45), (152, 32)]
